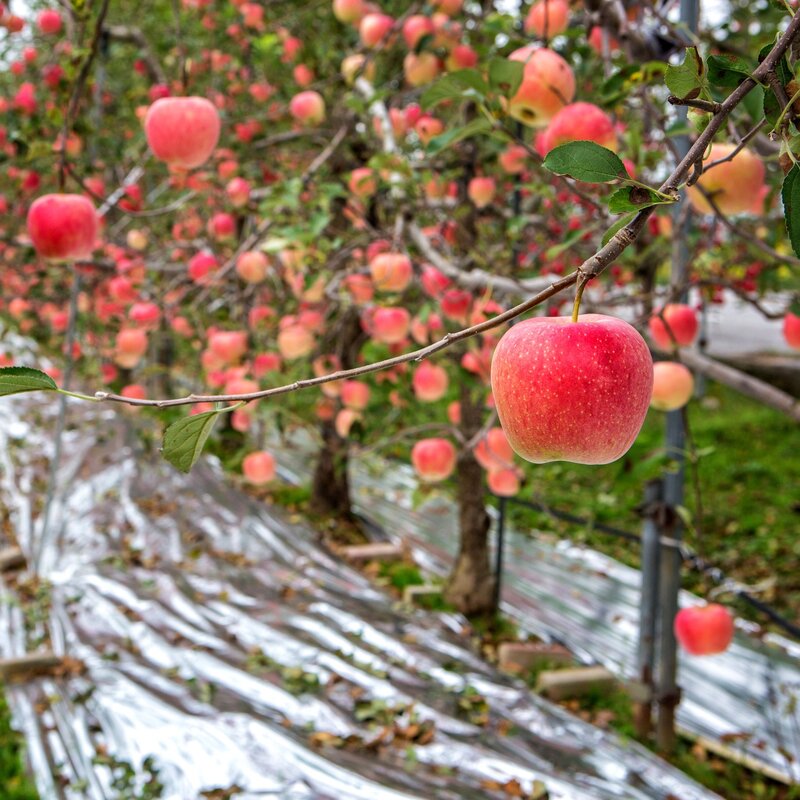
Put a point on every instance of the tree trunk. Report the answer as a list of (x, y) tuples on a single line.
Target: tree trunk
[(330, 486), (470, 587)]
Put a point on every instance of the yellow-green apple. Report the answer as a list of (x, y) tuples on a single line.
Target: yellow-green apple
[(421, 68), (259, 467), (308, 107), (182, 131), (572, 391), (62, 227), (449, 7), (349, 11), (578, 122), (295, 341), (548, 84), (481, 191), (704, 630), (391, 272), (547, 18), (353, 65), (429, 382), (434, 459), (679, 326), (736, 186), (673, 385), (791, 330)]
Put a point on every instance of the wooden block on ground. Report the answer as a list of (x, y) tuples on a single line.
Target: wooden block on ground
[(524, 656), (29, 665), (11, 558), (411, 593), (563, 683), (374, 551)]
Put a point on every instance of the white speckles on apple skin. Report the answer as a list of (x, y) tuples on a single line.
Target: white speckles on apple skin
[(572, 391)]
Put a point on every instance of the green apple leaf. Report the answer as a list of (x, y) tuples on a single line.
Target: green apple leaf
[(727, 72), (505, 75), (686, 80), (790, 194), (15, 380), (586, 161), (617, 226), (635, 198), (443, 140), (184, 440), (464, 83)]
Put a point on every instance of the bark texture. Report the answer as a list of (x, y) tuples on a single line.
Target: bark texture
[(470, 587)]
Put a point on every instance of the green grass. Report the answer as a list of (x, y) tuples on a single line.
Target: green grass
[(15, 783), (748, 473)]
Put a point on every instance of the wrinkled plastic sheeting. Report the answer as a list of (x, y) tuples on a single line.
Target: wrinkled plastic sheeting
[(168, 588), (747, 698)]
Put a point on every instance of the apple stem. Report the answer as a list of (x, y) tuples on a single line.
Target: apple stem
[(576, 308)]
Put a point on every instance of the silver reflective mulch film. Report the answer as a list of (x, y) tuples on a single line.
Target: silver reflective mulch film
[(225, 649)]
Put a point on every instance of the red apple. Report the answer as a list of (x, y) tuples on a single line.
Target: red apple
[(791, 330), (391, 272), (362, 183), (503, 482), (252, 266), (182, 131), (308, 108), (415, 28), (704, 630), (548, 84), (374, 28), (736, 186), (390, 325), (547, 18), (48, 21), (578, 122), (481, 191), (259, 467), (681, 326), (433, 459), (429, 382), (493, 452), (673, 385), (355, 395), (572, 391), (63, 226)]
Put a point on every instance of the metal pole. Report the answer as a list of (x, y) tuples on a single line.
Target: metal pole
[(499, 552), (648, 609), (668, 691)]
